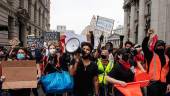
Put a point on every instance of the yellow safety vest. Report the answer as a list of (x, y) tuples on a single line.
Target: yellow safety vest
[(104, 71)]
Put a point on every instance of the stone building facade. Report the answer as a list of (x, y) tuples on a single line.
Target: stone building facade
[(140, 15), (20, 18), (114, 38), (118, 30)]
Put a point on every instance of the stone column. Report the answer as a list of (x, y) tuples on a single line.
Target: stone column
[(14, 32), (167, 36), (162, 28), (132, 22), (37, 30), (32, 19), (11, 25), (48, 21), (125, 29), (35, 18), (155, 15), (141, 31), (41, 19), (23, 34)]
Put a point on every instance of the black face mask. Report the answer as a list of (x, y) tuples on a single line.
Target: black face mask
[(103, 56), (128, 49), (58, 50), (160, 51), (158, 44), (85, 55), (110, 50), (125, 57)]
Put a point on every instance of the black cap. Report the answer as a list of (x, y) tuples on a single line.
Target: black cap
[(160, 43)]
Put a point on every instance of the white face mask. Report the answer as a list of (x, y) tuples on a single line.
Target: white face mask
[(52, 51)]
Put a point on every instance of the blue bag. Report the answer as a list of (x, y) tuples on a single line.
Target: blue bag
[(57, 82)]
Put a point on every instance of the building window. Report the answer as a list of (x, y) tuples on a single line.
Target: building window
[(43, 20), (21, 3), (129, 19), (3, 28), (29, 30), (128, 35), (29, 7), (128, 14), (45, 2), (136, 35), (39, 33), (39, 16), (147, 25), (137, 4), (35, 32), (149, 9), (35, 13), (10, 22), (137, 15)]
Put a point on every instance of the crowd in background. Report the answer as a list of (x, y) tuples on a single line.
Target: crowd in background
[(96, 70)]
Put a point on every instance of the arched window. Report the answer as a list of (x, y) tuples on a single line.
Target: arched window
[(29, 7), (21, 3), (39, 16), (35, 12), (43, 20)]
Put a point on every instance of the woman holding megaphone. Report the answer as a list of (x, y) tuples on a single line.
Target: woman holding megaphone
[(85, 73)]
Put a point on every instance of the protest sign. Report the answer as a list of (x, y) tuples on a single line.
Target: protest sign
[(19, 74), (51, 36), (35, 40)]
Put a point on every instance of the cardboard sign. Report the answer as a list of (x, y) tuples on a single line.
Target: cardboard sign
[(104, 24), (36, 40), (19, 74), (51, 36)]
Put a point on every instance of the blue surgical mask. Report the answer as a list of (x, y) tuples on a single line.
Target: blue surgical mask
[(20, 56)]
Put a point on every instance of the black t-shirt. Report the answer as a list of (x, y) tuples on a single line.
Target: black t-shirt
[(65, 61), (84, 79), (50, 64), (118, 72)]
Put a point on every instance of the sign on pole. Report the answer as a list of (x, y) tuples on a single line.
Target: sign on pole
[(30, 39), (51, 36), (104, 24), (35, 40)]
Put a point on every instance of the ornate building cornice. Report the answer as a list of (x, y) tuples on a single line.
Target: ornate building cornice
[(4, 5), (132, 2), (22, 16), (8, 7), (126, 4), (44, 5)]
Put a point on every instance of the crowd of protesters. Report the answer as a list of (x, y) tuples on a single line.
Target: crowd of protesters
[(95, 71)]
